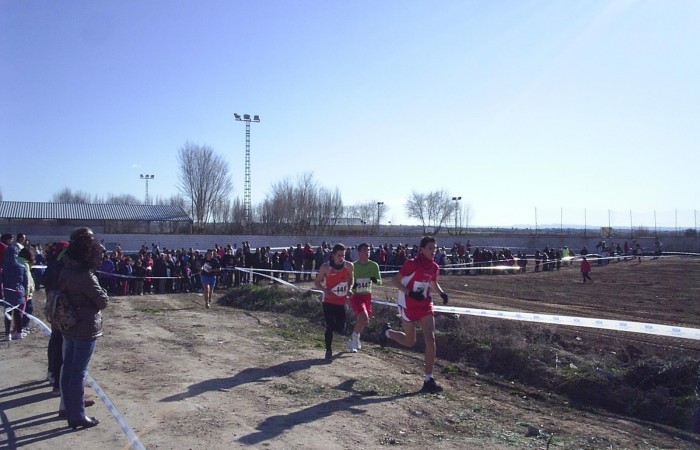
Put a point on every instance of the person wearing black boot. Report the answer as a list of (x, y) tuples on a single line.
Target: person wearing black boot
[(88, 298)]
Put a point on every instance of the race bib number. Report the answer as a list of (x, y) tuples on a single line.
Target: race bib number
[(421, 287), (364, 286), (340, 289)]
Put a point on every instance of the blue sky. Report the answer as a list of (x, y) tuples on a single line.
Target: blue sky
[(517, 106)]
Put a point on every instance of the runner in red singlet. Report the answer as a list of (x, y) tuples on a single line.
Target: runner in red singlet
[(334, 278), (415, 282)]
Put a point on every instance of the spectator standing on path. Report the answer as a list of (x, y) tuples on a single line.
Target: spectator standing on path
[(298, 260), (15, 287), (334, 279), (586, 269), (82, 257), (5, 242), (160, 272), (414, 281), (106, 273), (309, 258), (637, 250), (54, 265), (26, 257), (366, 273)]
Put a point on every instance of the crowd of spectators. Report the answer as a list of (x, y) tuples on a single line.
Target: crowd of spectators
[(152, 270)]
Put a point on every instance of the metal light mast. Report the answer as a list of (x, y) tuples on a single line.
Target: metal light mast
[(456, 199), (246, 187), (147, 177)]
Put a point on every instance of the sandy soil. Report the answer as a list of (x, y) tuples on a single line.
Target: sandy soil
[(185, 377)]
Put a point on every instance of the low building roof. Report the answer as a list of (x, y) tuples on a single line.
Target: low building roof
[(90, 211)]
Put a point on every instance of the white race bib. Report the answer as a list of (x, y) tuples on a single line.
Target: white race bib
[(364, 286), (340, 289)]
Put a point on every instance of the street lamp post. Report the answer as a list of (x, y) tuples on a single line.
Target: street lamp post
[(147, 177), (379, 216), (246, 186), (456, 199)]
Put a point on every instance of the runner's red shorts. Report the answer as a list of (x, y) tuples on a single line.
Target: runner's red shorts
[(360, 303)]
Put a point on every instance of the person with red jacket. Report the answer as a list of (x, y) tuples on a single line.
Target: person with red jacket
[(586, 270)]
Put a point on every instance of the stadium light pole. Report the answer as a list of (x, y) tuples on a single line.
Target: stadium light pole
[(246, 186), (379, 206), (147, 177), (456, 199)]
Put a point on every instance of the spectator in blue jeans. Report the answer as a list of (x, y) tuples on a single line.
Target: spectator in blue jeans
[(77, 279)]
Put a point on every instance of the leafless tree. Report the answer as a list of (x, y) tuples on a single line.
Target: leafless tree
[(330, 210), (175, 200), (297, 207), (432, 209), (122, 199), (66, 195), (220, 213), (369, 213), (204, 179), (465, 216)]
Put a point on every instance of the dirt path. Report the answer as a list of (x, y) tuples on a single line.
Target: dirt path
[(189, 378)]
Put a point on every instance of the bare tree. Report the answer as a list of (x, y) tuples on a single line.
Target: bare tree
[(220, 213), (381, 212), (330, 209), (432, 209), (369, 213), (204, 179), (465, 216), (66, 195), (122, 199), (297, 207), (175, 200)]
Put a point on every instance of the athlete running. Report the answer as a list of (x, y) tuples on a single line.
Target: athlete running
[(335, 279), (417, 277), (366, 272)]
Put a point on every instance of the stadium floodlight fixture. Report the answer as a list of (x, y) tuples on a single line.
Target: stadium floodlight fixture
[(147, 177), (456, 199), (247, 203)]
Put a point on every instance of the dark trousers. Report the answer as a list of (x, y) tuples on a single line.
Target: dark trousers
[(55, 356), (335, 322)]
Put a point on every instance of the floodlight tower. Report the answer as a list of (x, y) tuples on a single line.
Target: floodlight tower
[(246, 186), (147, 177), (456, 199)]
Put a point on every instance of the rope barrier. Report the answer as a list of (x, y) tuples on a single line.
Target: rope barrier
[(587, 322), (101, 394)]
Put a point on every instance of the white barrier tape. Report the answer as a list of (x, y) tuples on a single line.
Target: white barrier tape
[(8, 309), (278, 280), (132, 277), (606, 324), (126, 428), (257, 269)]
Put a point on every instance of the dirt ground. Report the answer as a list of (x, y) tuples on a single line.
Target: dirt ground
[(185, 377)]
